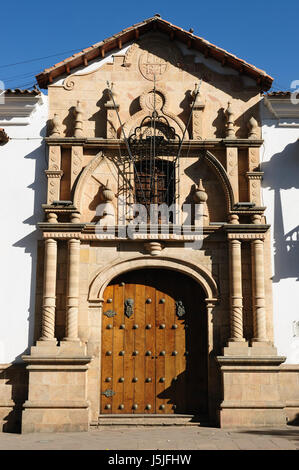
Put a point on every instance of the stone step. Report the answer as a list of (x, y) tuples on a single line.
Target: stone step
[(148, 420)]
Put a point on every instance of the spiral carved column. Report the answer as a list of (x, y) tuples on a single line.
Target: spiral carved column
[(259, 315), (49, 295), (236, 314), (72, 290)]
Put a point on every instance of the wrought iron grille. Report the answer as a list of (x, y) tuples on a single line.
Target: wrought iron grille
[(149, 172), (155, 169)]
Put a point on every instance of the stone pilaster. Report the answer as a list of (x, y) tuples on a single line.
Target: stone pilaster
[(254, 186), (54, 173), (232, 170), (112, 119), (197, 118), (49, 294), (76, 163), (72, 290)]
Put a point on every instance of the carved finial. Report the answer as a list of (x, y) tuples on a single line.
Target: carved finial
[(112, 95), (200, 194), (112, 90), (253, 128), (196, 92), (55, 126), (108, 193), (78, 120), (230, 132)]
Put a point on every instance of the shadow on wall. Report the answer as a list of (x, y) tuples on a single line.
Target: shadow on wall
[(282, 172), (14, 383), (29, 242)]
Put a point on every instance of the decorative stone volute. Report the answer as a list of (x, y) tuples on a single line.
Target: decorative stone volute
[(78, 120), (230, 132), (253, 128), (56, 126)]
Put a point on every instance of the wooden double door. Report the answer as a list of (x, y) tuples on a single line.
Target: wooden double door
[(154, 345)]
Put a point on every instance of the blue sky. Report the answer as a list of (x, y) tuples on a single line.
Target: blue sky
[(264, 33)]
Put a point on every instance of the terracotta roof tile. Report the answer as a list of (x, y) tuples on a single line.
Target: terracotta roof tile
[(198, 43), (279, 93), (18, 91)]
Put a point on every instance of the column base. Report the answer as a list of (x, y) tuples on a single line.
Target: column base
[(236, 348), (57, 400), (44, 348), (262, 348), (55, 417), (73, 347)]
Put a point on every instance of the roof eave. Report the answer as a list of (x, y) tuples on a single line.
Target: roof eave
[(118, 40)]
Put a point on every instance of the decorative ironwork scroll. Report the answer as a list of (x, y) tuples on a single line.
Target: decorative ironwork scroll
[(108, 393), (180, 309), (110, 313), (129, 307)]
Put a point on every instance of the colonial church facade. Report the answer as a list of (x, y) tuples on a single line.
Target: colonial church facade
[(169, 319)]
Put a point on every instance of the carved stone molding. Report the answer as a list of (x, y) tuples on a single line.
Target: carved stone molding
[(246, 236), (105, 275), (54, 158), (162, 106), (54, 173), (53, 192), (255, 175), (76, 162), (232, 169)]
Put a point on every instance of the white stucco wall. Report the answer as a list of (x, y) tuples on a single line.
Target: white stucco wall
[(22, 190), (280, 156)]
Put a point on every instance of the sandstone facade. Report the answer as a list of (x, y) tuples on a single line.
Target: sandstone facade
[(211, 113)]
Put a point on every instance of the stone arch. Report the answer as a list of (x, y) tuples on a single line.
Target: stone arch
[(222, 175), (86, 174), (137, 118), (200, 274)]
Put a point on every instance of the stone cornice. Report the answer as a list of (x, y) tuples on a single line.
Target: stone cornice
[(245, 231), (67, 230), (254, 175), (16, 110), (116, 143), (56, 360), (233, 361)]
